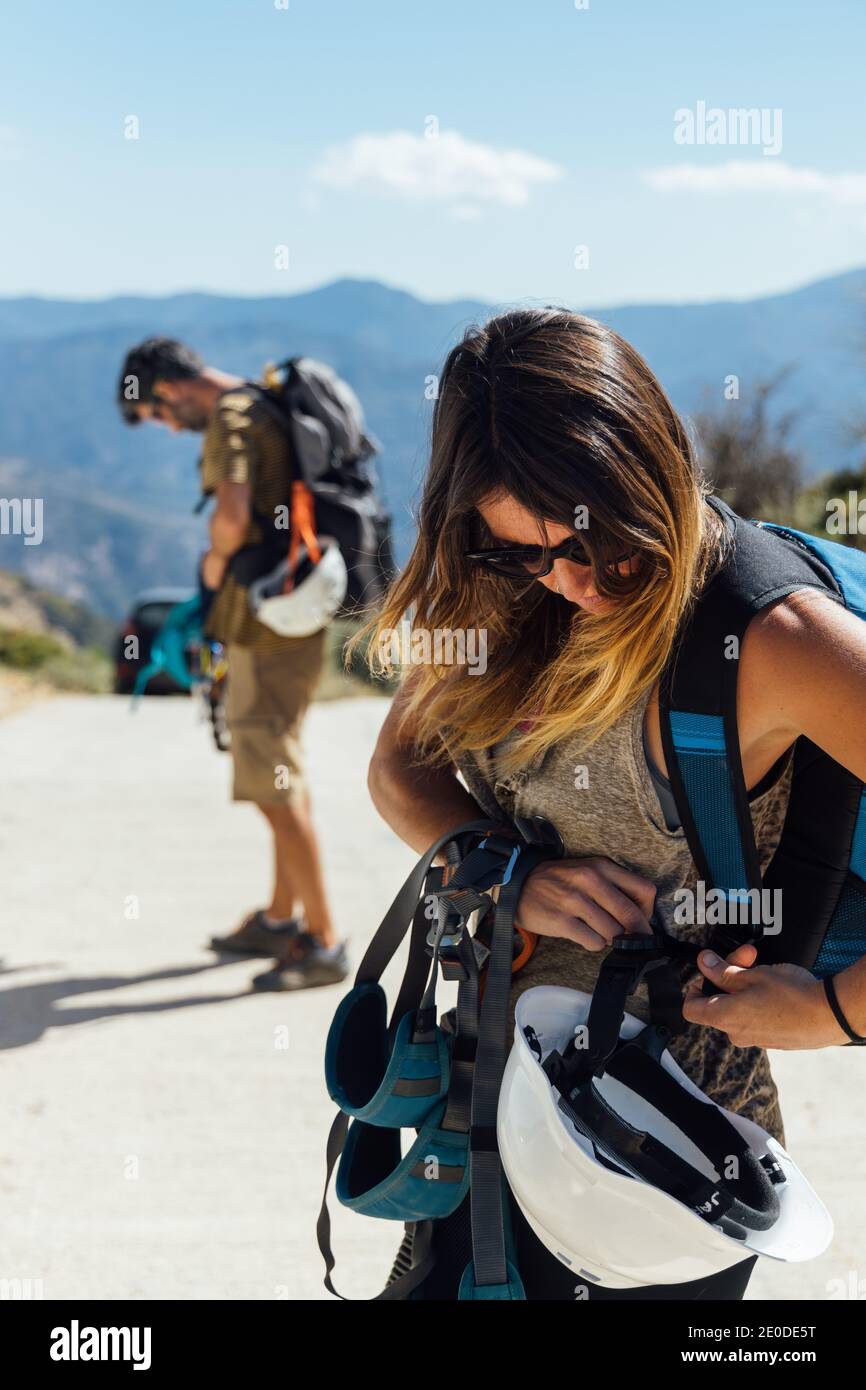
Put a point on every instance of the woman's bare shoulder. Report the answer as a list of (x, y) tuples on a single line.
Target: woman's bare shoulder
[(803, 671)]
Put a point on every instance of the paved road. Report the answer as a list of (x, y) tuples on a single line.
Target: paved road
[(163, 1128)]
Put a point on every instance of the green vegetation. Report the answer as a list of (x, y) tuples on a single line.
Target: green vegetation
[(86, 669), (811, 507), (86, 628), (52, 662), (748, 458), (337, 682), (27, 651)]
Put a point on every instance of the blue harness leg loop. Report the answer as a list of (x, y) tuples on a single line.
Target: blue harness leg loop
[(430, 1181), (411, 1073), (396, 1089)]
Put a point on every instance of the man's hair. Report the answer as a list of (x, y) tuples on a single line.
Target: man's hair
[(156, 359)]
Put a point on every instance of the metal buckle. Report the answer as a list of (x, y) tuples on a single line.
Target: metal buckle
[(449, 939), (538, 830)]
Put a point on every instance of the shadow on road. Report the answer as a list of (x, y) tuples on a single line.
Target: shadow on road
[(28, 1011)]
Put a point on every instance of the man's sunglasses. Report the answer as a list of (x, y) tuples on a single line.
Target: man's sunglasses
[(159, 409), (536, 561)]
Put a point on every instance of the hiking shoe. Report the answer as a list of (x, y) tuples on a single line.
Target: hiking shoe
[(255, 938), (305, 965)]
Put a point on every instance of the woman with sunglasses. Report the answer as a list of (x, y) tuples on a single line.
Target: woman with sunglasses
[(563, 515)]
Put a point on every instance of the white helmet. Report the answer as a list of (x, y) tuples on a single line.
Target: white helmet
[(585, 1165), (316, 593)]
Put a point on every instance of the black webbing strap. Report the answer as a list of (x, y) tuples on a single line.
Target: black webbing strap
[(635, 1065), (618, 977), (704, 1123), (409, 907), (396, 921), (485, 1168), (336, 1139), (456, 900), (630, 958), (664, 982), (643, 1155), (418, 973), (458, 1111)]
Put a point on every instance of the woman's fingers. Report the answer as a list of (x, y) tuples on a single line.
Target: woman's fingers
[(746, 955), (615, 892), (589, 901), (639, 889), (727, 976), (612, 915), (743, 957), (578, 930)]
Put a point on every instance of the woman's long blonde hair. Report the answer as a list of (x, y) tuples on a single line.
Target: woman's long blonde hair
[(556, 411)]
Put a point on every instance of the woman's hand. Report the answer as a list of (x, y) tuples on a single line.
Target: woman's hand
[(589, 901), (781, 1006)]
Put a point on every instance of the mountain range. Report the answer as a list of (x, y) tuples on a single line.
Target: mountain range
[(118, 502)]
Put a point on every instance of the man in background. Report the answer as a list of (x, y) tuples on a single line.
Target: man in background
[(246, 466)]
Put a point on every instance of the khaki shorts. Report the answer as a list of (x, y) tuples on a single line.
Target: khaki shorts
[(268, 695)]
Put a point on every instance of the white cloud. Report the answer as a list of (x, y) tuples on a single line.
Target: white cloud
[(459, 174), (741, 176)]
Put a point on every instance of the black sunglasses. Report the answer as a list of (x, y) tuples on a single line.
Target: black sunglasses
[(159, 409), (518, 561)]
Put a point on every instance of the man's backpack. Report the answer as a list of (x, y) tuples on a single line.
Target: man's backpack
[(333, 471)]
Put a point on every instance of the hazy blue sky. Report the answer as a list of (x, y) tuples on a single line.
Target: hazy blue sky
[(307, 127)]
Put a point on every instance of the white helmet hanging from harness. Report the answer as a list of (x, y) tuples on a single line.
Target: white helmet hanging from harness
[(625, 1170)]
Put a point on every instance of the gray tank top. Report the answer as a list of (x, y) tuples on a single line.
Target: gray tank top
[(664, 790), (604, 800)]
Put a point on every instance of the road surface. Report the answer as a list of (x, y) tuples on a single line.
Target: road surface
[(163, 1127)]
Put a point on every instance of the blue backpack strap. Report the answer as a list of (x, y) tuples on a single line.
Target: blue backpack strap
[(698, 716), (846, 564), (701, 743), (821, 859)]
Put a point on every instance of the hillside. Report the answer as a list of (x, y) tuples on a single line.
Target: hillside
[(48, 642), (24, 605), (118, 502)]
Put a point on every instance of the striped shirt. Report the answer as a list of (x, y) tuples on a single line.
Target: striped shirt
[(245, 444)]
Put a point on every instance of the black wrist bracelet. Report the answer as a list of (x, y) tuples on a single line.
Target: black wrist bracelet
[(830, 991)]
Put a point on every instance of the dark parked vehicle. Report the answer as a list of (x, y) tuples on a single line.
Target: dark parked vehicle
[(149, 612)]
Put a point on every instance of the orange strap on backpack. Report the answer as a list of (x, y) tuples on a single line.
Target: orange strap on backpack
[(303, 528)]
